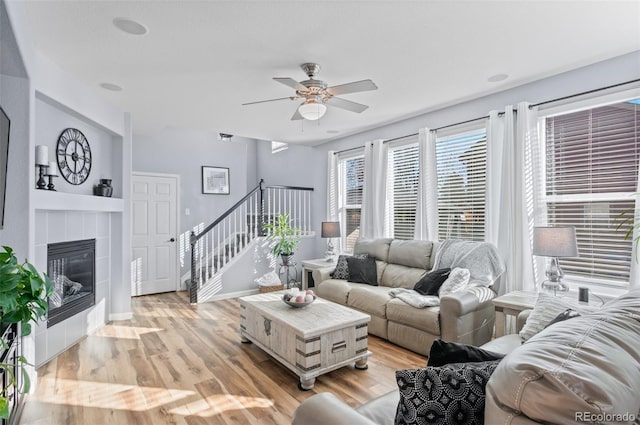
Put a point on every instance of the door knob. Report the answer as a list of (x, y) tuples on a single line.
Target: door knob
[(172, 240)]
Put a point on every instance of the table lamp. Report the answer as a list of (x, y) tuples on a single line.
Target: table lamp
[(330, 229), (555, 242)]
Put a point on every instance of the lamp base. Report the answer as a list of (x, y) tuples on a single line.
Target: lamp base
[(330, 254), (554, 286)]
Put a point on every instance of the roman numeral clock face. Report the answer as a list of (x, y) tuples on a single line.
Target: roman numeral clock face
[(74, 156)]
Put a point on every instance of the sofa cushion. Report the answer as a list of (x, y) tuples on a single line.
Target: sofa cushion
[(411, 253), (425, 319), (363, 270), (336, 290), (378, 248), (370, 299), (431, 282), (451, 394), (588, 364), (397, 276), (444, 352)]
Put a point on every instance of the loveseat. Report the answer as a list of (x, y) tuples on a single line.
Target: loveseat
[(582, 370), (466, 316)]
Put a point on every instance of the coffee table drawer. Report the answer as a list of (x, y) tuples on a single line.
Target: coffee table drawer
[(331, 348)]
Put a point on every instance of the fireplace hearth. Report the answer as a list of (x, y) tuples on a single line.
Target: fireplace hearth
[(71, 268)]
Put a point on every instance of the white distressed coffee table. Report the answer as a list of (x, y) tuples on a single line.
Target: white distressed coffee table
[(309, 341)]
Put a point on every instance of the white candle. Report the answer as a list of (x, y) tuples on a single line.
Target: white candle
[(53, 169), (42, 155)]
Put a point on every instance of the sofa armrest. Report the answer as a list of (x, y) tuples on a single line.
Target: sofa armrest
[(522, 319), (322, 274), (467, 316), (325, 408)]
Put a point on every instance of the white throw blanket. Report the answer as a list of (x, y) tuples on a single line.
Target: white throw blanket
[(481, 258), (414, 298)]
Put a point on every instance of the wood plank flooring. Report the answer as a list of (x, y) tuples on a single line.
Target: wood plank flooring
[(174, 363)]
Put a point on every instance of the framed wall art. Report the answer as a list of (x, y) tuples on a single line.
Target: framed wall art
[(215, 180)]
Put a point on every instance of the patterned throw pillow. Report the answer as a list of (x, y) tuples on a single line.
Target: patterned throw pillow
[(452, 394), (342, 267)]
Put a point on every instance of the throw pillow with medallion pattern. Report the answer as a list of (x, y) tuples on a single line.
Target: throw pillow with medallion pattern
[(453, 394), (342, 267)]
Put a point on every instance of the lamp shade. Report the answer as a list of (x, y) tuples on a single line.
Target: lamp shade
[(555, 241), (330, 229), (312, 110)]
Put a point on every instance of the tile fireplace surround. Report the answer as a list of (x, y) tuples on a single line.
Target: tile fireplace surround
[(63, 226)]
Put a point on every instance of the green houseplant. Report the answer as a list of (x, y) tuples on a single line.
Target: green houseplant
[(285, 235), (23, 299)]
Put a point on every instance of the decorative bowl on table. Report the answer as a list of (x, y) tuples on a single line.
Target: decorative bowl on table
[(297, 298)]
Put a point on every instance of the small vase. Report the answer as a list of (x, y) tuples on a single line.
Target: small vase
[(104, 188)]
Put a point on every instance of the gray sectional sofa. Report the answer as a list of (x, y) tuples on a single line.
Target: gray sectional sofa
[(582, 370), (466, 317)]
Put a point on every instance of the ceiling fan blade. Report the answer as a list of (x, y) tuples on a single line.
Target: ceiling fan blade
[(297, 116), (290, 82), (346, 104), (356, 86), (271, 100)]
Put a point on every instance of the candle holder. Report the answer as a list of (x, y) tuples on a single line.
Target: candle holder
[(41, 184), (51, 186)]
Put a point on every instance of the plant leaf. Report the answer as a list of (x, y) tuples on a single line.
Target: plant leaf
[(26, 381), (4, 408)]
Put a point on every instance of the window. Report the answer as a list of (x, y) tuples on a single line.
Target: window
[(351, 183), (403, 173), (591, 173), (461, 165)]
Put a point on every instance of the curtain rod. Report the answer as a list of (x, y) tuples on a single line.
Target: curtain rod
[(584, 92), (502, 113)]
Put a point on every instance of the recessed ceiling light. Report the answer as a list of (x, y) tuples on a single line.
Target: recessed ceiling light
[(497, 77), (130, 26), (111, 86)]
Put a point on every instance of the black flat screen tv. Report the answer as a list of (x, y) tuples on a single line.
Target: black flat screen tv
[(4, 157)]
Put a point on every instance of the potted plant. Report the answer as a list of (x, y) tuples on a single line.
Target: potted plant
[(286, 237), (23, 299)]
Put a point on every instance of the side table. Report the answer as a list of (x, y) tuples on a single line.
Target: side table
[(308, 266), (512, 304)]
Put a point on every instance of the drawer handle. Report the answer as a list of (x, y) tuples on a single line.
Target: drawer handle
[(339, 346), (267, 327)]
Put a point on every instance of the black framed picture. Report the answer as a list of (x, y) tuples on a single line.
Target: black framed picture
[(215, 180), (5, 125)]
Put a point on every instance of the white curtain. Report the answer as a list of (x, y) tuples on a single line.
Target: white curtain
[(426, 227), (510, 210), (374, 202), (333, 195)]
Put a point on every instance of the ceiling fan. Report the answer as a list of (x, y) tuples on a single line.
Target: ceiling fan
[(317, 95)]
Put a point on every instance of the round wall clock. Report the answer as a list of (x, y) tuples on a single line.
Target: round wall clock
[(74, 156)]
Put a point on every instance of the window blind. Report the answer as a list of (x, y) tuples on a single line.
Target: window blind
[(591, 174), (403, 174), (352, 184), (461, 162)]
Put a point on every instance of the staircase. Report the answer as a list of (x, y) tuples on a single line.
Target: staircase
[(215, 247)]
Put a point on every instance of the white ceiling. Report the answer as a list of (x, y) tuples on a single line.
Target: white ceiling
[(202, 59)]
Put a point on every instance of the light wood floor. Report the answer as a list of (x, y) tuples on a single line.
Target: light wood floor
[(174, 363)]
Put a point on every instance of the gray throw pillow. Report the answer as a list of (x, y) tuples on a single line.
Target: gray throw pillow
[(430, 283), (363, 270)]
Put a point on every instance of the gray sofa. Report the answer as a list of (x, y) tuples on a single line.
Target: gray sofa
[(582, 370), (466, 317)]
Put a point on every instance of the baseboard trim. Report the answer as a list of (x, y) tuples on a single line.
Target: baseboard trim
[(232, 295), (120, 316)]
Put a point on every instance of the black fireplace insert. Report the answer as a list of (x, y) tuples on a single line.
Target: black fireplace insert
[(71, 268)]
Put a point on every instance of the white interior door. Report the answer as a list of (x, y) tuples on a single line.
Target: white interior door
[(154, 228)]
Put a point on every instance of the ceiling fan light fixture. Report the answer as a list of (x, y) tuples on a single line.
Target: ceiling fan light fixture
[(312, 110)]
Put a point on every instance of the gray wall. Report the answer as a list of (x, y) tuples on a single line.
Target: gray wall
[(184, 152)]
